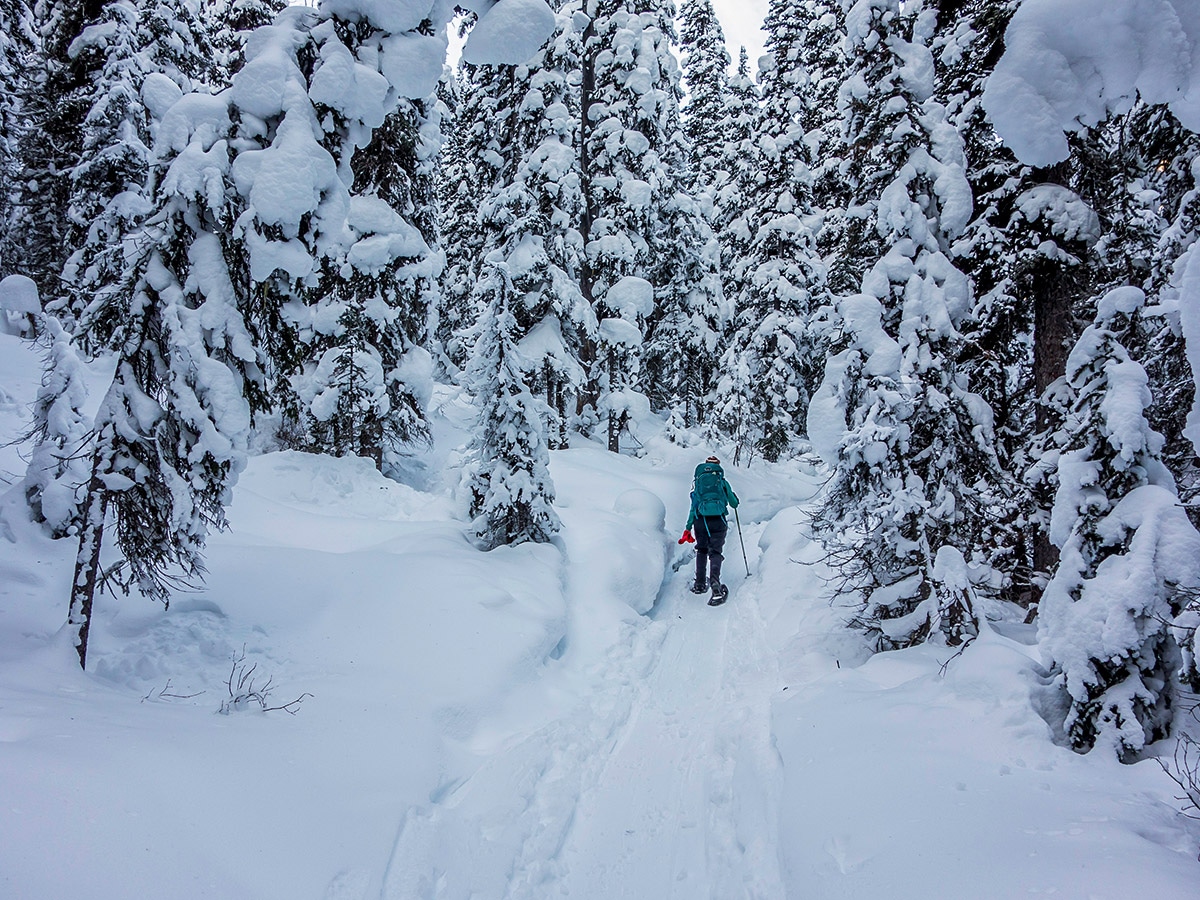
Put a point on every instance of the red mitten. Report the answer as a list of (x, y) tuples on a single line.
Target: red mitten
[(687, 537)]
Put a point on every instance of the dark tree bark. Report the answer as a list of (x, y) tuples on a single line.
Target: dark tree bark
[(1056, 287), (87, 560)]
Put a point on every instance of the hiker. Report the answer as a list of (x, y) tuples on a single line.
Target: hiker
[(711, 497)]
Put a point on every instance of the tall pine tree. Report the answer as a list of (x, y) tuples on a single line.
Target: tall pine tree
[(1128, 549), (511, 494), (914, 469), (55, 104), (772, 365), (633, 178)]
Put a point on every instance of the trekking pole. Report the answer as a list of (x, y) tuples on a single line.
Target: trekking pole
[(740, 541)]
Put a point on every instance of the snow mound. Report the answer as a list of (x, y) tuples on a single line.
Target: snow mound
[(19, 294), (644, 508), (349, 486)]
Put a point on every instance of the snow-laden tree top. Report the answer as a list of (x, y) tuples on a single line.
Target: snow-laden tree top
[(510, 33), (1069, 64)]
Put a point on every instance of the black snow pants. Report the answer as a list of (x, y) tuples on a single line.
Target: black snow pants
[(710, 532)]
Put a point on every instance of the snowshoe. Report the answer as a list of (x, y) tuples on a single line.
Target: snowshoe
[(719, 594), (698, 588)]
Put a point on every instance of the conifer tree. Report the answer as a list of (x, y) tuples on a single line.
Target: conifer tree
[(170, 435), (705, 72), (147, 53), (684, 339), (632, 171), (736, 183), (54, 106), (530, 217), (346, 281), (914, 467), (368, 391), (771, 367), (143, 55), (1127, 548), (511, 494), (990, 252)]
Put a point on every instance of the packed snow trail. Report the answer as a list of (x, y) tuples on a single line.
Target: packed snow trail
[(684, 804), (641, 767)]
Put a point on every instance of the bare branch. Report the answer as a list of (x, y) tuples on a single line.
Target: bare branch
[(245, 692)]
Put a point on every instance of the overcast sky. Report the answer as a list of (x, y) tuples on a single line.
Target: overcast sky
[(742, 22)]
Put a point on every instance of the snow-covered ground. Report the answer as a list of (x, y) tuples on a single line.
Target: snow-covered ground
[(534, 722)]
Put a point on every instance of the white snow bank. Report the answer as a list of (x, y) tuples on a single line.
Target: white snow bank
[(971, 766), (18, 300)]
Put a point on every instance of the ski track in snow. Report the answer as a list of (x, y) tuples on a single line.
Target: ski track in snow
[(660, 781)]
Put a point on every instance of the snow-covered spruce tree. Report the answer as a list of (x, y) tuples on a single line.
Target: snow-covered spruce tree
[(632, 171), (511, 494), (17, 42), (147, 53), (1127, 549), (230, 23), (54, 104), (737, 175), (910, 446), (771, 368), (1051, 232), (876, 132), (1104, 223), (997, 351), (370, 386), (344, 280), (683, 345), (705, 72), (531, 215), (170, 434)]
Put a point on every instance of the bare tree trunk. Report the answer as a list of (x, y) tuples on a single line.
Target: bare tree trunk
[(87, 560), (1056, 286), (589, 395)]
